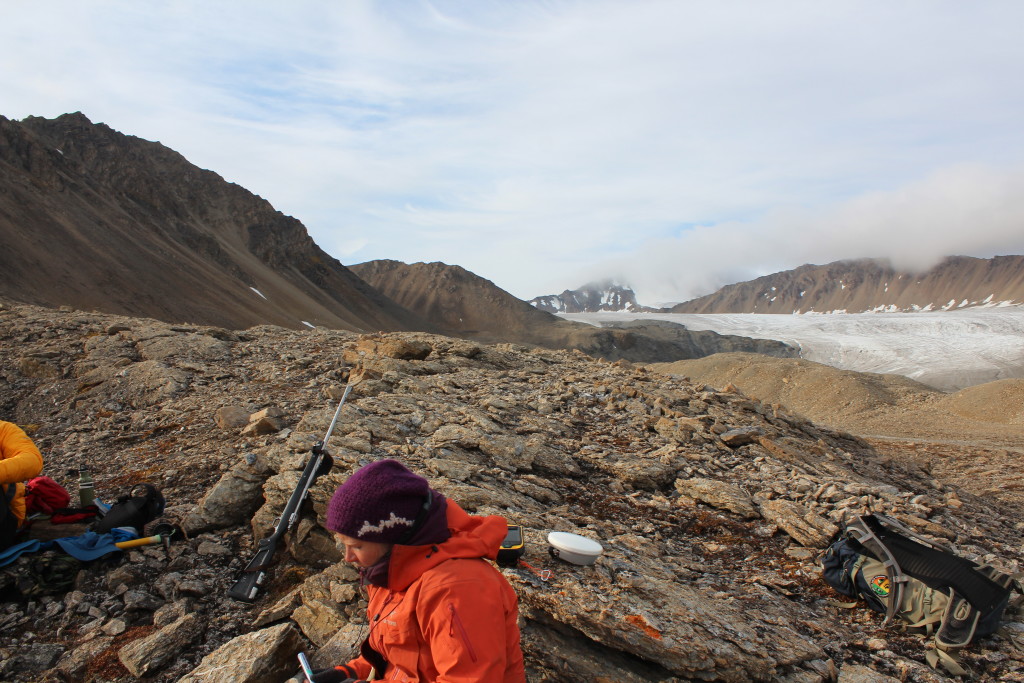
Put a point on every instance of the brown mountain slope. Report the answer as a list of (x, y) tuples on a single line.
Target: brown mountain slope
[(94, 219), (866, 284), (999, 402), (457, 300), (467, 305)]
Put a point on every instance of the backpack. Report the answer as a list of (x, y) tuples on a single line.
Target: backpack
[(136, 509), (51, 573), (925, 585), (32, 576), (44, 495), (8, 522)]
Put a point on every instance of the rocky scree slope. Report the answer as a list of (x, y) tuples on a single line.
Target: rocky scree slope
[(971, 438), (95, 219), (711, 506), (870, 285), (867, 403)]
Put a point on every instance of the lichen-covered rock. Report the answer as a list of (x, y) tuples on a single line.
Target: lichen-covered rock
[(856, 673), (232, 500), (805, 526), (266, 655), (719, 494), (154, 651)]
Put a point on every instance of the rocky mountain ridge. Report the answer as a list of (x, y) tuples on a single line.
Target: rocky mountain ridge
[(849, 286), (466, 305), (711, 505), (96, 219), (457, 300), (866, 285), (102, 221)]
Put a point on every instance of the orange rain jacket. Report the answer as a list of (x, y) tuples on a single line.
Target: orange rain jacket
[(20, 460), (447, 614)]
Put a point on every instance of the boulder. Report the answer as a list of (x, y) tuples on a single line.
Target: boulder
[(319, 620), (231, 417), (685, 631), (161, 647), (263, 425), (233, 499), (74, 663), (857, 673), (718, 494), (265, 655), (805, 526), (394, 347), (740, 436)]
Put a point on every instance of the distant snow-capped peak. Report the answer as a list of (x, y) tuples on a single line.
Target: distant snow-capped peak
[(590, 298)]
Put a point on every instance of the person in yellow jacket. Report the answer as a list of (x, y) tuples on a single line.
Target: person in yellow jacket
[(20, 460)]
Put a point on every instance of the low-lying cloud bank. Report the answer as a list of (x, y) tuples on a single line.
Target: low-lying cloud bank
[(969, 210)]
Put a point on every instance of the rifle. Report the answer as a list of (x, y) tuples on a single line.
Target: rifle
[(320, 462)]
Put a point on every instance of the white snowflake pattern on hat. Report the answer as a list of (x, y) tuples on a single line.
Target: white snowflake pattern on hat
[(393, 521)]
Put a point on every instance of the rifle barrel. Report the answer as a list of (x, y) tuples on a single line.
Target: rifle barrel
[(249, 583), (334, 421)]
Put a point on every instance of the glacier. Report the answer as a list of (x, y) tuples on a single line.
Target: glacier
[(948, 350)]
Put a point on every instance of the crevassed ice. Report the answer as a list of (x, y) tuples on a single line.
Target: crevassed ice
[(949, 349)]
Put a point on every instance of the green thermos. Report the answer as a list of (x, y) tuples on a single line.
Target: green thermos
[(86, 494)]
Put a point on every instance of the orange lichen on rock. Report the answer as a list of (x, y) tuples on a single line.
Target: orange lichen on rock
[(641, 623)]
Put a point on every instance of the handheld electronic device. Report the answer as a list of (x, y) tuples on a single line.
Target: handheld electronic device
[(513, 547), (306, 668)]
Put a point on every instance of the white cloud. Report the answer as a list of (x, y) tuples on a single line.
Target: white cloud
[(967, 210), (528, 141)]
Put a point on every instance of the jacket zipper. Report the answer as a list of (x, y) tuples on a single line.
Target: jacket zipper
[(457, 623)]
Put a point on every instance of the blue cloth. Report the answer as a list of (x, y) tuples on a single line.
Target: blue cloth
[(92, 545), (86, 547), (8, 555)]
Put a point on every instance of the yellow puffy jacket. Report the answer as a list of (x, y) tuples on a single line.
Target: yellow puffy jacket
[(20, 460)]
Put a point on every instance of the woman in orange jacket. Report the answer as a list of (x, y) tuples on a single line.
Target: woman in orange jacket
[(20, 460), (438, 611)]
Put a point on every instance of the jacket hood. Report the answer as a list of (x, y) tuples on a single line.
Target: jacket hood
[(472, 536)]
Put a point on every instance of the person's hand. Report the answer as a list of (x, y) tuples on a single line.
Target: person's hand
[(332, 676)]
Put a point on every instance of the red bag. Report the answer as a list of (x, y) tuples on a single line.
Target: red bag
[(45, 495)]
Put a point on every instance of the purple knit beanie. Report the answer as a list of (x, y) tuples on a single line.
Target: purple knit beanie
[(380, 503)]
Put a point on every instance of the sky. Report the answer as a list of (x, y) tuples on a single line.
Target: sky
[(673, 146)]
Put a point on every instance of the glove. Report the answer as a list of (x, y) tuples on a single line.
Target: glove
[(339, 674)]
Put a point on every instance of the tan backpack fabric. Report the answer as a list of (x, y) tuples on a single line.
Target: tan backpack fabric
[(919, 584)]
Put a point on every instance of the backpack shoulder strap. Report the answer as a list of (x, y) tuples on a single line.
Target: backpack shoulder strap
[(938, 567), (937, 658), (860, 530)]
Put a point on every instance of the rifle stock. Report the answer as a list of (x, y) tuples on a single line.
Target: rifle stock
[(249, 584)]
